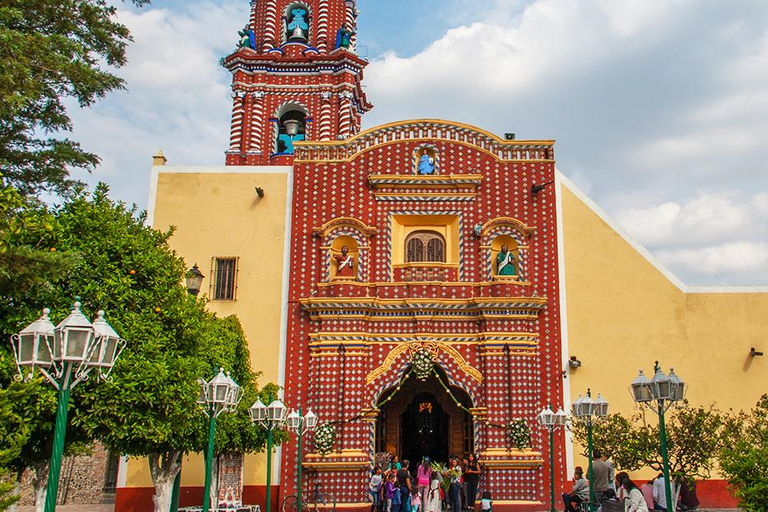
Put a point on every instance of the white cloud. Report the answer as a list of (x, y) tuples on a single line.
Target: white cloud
[(740, 261), (657, 107)]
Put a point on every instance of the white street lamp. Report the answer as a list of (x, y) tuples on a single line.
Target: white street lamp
[(551, 421), (588, 411), (65, 355)]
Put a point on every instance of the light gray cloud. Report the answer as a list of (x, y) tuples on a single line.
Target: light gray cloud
[(660, 109)]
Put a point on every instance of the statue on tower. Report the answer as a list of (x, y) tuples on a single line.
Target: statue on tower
[(426, 164), (297, 25), (345, 264), (505, 263), (344, 37), (247, 38)]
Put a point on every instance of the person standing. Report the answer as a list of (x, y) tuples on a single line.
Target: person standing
[(579, 493), (433, 502), (601, 475), (422, 480), (472, 477), (455, 474), (404, 484), (659, 493), (374, 489), (392, 493)]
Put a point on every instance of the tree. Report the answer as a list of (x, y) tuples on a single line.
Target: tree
[(53, 50), (148, 407), (744, 457), (694, 435)]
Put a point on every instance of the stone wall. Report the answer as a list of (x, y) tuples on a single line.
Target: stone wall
[(82, 480)]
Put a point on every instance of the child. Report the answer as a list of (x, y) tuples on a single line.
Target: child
[(374, 488), (415, 502), (486, 502), (391, 492), (433, 503)]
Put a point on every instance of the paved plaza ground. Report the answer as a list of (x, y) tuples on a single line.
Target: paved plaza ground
[(110, 508)]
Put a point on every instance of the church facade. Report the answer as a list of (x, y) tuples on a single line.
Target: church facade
[(425, 287)]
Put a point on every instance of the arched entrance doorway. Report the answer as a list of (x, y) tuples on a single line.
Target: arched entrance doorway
[(422, 418)]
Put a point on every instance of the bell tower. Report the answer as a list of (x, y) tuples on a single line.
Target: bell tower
[(295, 76)]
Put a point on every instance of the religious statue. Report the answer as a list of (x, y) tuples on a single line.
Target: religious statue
[(247, 38), (298, 26), (505, 263), (426, 164), (344, 37), (345, 263)]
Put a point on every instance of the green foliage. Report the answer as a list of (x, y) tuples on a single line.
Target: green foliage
[(744, 457), (694, 436), (149, 406), (520, 434), (53, 50), (14, 433)]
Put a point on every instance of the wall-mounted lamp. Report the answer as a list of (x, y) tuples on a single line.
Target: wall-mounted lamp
[(260, 192), (574, 362), (535, 189), (754, 353), (194, 280)]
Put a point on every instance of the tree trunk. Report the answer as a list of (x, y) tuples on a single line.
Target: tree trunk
[(39, 484), (164, 467), (16, 489)]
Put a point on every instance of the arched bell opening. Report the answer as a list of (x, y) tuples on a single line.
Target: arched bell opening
[(425, 417)]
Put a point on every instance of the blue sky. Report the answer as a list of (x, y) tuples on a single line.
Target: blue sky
[(659, 109)]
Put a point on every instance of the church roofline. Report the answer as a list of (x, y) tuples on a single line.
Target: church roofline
[(409, 123)]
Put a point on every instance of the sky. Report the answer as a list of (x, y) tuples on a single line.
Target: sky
[(659, 109)]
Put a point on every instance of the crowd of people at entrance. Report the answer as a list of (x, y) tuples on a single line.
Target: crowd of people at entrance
[(618, 493), (397, 486)]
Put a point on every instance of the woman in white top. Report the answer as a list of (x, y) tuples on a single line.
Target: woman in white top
[(634, 500)]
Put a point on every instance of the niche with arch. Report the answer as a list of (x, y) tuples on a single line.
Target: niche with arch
[(297, 20), (506, 265), (425, 160), (291, 121), (344, 266)]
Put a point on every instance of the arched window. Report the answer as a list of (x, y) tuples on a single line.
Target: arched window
[(292, 127), (425, 246), (297, 20)]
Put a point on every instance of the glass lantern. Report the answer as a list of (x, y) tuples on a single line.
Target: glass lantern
[(276, 412), (678, 386), (641, 389), (74, 337), (33, 345), (547, 417), (661, 386), (258, 411), (294, 421), (107, 346), (310, 420)]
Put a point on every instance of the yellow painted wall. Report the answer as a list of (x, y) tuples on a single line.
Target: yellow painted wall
[(623, 314), (217, 212)]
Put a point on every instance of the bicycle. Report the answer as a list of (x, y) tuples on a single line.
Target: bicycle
[(318, 501)]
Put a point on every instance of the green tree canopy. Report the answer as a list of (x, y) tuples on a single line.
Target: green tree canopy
[(53, 50), (744, 457)]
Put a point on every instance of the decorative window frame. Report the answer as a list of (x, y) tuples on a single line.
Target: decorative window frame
[(353, 228), (284, 108), (284, 39), (506, 226), (416, 157)]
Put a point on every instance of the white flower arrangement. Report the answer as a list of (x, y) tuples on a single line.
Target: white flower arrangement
[(422, 363), (520, 434), (325, 437)]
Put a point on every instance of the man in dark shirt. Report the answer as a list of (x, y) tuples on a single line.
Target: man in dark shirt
[(404, 484), (601, 476)]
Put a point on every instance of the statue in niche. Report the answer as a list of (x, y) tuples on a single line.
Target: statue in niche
[(344, 37), (345, 263), (505, 263), (247, 38), (297, 25), (426, 164)]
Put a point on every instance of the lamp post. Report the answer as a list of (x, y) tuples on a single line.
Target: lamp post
[(65, 355), (270, 417), (588, 411), (552, 421), (664, 390), (301, 425), (219, 395)]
